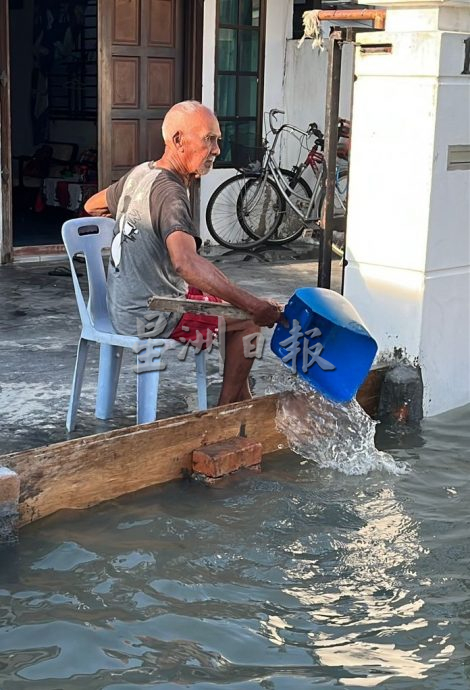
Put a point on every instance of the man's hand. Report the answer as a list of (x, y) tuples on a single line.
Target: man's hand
[(268, 313)]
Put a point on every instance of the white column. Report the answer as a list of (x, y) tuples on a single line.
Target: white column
[(408, 236)]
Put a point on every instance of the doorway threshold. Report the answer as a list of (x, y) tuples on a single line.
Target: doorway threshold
[(40, 252)]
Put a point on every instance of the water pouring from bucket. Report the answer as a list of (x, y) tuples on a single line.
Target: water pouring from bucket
[(324, 341)]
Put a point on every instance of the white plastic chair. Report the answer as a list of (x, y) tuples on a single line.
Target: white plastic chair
[(89, 236)]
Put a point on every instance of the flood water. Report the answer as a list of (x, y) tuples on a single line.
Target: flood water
[(296, 577)]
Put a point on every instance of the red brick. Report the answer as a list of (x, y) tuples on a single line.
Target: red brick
[(225, 457), (9, 486)]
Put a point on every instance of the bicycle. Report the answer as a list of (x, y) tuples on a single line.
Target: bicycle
[(273, 205)]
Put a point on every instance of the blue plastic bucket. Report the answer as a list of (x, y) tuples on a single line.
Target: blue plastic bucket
[(325, 343)]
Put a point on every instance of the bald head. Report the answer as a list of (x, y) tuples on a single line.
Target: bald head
[(180, 117), (191, 133)]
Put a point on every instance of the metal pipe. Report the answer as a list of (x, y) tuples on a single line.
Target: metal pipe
[(377, 16), (331, 145)]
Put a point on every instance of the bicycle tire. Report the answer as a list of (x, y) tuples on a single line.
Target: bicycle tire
[(341, 190), (289, 226), (223, 213), (338, 248)]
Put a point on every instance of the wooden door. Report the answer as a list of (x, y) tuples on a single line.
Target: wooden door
[(6, 232), (141, 60)]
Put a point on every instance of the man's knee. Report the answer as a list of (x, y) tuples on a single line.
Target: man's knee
[(244, 327), (251, 328)]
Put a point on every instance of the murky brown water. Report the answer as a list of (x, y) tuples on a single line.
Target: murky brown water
[(298, 577)]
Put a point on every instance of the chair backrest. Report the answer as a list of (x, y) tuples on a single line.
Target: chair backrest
[(89, 236)]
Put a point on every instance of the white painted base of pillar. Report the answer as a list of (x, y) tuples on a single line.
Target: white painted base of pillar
[(408, 234), (425, 320)]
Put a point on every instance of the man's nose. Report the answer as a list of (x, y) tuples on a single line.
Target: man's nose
[(215, 150)]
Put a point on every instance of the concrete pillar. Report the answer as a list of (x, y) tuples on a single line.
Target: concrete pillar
[(408, 232)]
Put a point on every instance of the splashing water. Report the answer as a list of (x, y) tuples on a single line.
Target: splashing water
[(334, 435)]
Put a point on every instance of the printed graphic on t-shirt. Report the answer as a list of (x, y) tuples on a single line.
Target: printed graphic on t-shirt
[(127, 231)]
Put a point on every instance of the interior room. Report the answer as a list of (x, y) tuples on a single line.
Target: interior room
[(53, 63)]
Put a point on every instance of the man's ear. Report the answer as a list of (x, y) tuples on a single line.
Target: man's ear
[(178, 141)]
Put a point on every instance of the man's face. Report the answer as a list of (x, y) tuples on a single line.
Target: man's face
[(201, 143)]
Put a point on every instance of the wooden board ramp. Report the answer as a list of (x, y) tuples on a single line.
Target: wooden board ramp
[(83, 472), (86, 471)]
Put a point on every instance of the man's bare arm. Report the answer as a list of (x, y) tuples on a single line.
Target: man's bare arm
[(201, 273), (97, 205)]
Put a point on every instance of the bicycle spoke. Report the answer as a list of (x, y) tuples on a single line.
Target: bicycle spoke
[(277, 218), (225, 209)]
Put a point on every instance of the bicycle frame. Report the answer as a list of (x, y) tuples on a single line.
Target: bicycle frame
[(315, 160)]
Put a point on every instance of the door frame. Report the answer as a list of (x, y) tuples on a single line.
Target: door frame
[(192, 87), (6, 212)]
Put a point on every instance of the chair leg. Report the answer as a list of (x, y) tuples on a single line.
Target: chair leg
[(108, 377), (201, 380), (147, 396), (80, 362)]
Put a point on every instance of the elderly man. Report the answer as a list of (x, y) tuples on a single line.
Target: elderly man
[(155, 247)]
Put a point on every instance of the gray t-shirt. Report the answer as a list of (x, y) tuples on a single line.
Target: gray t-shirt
[(148, 204)]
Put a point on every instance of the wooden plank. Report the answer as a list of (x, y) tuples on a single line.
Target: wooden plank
[(86, 471), (181, 306), (39, 250)]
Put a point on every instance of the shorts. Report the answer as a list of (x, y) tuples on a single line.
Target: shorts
[(199, 329)]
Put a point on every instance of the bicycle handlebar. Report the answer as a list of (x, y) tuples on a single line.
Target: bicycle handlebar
[(313, 129), (344, 129), (272, 117)]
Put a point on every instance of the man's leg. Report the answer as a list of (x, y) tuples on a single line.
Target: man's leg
[(237, 367)]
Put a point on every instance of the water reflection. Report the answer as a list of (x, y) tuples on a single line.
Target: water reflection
[(366, 599)]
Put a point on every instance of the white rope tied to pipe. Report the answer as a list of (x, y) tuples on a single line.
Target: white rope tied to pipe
[(312, 29)]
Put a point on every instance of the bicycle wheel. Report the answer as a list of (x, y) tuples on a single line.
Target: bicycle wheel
[(225, 209), (341, 193), (289, 224)]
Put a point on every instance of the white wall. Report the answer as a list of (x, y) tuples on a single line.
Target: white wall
[(305, 90), (278, 31), (305, 82)]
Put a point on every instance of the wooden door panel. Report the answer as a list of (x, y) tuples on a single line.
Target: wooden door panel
[(126, 82), (125, 146), (161, 83), (126, 22), (141, 49), (154, 139), (162, 23)]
